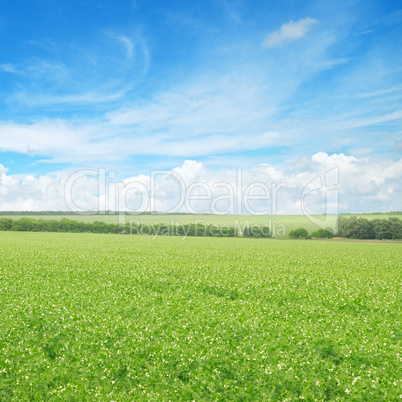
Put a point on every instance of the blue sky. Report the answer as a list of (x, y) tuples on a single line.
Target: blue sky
[(140, 85)]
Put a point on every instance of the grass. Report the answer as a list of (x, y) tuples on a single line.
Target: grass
[(108, 317)]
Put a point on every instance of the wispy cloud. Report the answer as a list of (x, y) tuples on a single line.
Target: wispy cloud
[(397, 88), (364, 32), (328, 64), (392, 18), (370, 121), (231, 12), (127, 43), (289, 32), (85, 76), (7, 68), (217, 115), (46, 70)]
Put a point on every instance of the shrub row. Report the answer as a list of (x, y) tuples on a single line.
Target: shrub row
[(302, 233)]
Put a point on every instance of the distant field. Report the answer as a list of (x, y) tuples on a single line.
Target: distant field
[(276, 222), (108, 317)]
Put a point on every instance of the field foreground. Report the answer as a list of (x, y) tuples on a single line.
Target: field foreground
[(108, 317)]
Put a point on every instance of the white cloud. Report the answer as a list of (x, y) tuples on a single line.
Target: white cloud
[(365, 185), (329, 161), (289, 32), (3, 169)]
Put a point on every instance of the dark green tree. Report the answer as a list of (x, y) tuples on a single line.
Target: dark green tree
[(299, 233)]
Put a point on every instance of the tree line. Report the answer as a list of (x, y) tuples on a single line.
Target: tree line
[(352, 228), (357, 228), (362, 228), (73, 226)]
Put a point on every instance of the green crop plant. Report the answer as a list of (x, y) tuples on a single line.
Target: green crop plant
[(109, 317)]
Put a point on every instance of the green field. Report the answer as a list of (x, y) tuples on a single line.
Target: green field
[(279, 225), (109, 317)]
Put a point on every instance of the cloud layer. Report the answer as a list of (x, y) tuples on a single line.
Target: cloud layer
[(337, 182)]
